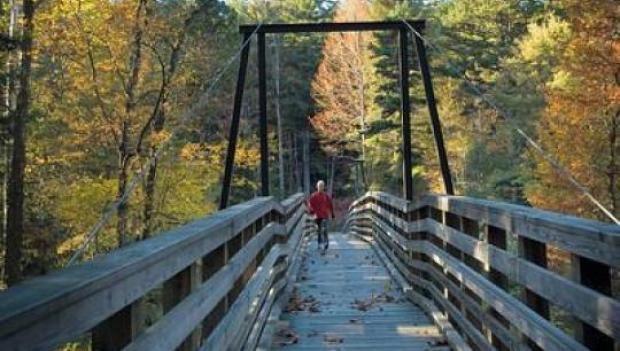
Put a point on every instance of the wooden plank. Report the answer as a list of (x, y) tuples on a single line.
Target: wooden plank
[(245, 314), (537, 328), (488, 318), (262, 301), (176, 325), (292, 202), (336, 279), (232, 331), (454, 339), (597, 276), (595, 308), (587, 304), (261, 319), (176, 289), (194, 308), (595, 240), (85, 295), (476, 336), (82, 296), (293, 261)]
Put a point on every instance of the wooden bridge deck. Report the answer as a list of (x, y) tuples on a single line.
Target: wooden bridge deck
[(344, 299)]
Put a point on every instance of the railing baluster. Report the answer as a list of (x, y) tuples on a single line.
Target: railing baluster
[(195, 273), (483, 256)]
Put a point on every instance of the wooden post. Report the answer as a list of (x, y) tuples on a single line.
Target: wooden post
[(497, 237), (596, 276)]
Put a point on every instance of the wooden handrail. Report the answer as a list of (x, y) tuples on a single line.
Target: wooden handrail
[(592, 239), (47, 311), (470, 257)]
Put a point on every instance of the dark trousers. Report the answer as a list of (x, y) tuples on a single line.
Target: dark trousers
[(321, 224)]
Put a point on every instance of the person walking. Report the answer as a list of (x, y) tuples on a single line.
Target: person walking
[(320, 205)]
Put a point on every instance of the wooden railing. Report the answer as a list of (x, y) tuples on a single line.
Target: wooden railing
[(506, 277), (214, 279)]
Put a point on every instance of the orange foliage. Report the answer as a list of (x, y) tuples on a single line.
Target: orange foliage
[(581, 123), (339, 82)]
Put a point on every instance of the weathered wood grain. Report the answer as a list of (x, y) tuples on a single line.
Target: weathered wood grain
[(530, 323), (46, 311), (595, 240)]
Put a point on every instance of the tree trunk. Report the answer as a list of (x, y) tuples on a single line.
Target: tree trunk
[(123, 165), (15, 192), (149, 195), (5, 139), (612, 172), (157, 121), (125, 154), (360, 65)]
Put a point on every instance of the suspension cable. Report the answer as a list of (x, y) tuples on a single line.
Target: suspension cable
[(185, 117), (555, 164)]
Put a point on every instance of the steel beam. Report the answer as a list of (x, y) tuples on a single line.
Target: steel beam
[(330, 27), (234, 123), (432, 110), (405, 110), (262, 105)]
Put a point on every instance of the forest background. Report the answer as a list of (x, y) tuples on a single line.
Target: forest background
[(94, 91)]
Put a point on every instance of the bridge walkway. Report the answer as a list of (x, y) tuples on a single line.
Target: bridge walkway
[(345, 299)]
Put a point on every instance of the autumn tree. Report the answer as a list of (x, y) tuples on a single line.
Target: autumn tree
[(340, 84), (19, 118), (580, 123)]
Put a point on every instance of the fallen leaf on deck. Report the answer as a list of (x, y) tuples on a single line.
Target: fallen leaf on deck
[(297, 303), (333, 339), (288, 336), (362, 305)]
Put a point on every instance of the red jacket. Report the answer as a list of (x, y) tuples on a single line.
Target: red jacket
[(320, 205)]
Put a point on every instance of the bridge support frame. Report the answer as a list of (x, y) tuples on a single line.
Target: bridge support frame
[(234, 123), (262, 105), (405, 113), (432, 110), (398, 26)]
